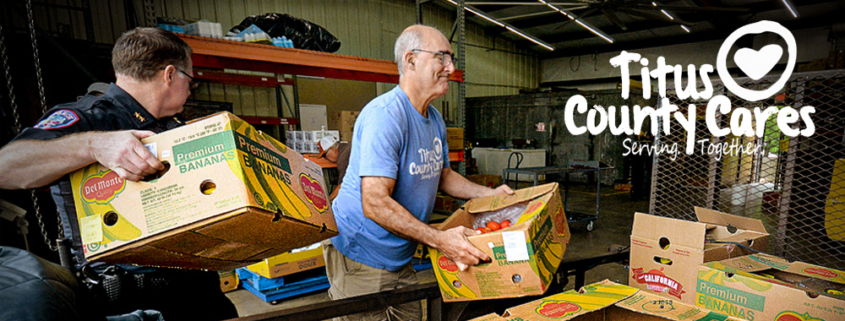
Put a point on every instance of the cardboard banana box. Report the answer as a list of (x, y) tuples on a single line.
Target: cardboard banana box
[(666, 252), (765, 287), (231, 196), (525, 255), (606, 301)]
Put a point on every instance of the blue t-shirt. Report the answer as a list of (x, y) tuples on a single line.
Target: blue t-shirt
[(390, 139)]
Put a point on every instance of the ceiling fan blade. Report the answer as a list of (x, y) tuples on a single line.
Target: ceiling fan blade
[(683, 8), (647, 15), (614, 18)]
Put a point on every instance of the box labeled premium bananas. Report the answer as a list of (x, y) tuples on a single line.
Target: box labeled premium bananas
[(765, 287), (230, 196), (525, 255)]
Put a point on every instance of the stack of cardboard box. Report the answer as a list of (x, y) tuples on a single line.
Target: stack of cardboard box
[(346, 121)]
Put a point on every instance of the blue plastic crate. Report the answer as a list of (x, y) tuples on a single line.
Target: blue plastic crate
[(261, 283), (269, 290)]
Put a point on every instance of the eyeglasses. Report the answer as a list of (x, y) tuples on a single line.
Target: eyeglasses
[(445, 57), (193, 85)]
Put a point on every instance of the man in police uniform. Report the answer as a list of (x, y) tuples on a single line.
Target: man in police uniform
[(153, 71)]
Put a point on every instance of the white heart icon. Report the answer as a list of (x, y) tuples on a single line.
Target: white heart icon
[(757, 64)]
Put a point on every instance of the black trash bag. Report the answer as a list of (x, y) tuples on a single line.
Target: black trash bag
[(304, 34)]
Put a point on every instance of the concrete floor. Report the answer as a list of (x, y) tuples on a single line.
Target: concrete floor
[(612, 228)]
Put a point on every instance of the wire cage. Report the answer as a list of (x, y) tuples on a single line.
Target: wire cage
[(795, 185)]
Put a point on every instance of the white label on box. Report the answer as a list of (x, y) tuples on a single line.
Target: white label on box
[(515, 247), (165, 153), (91, 228), (153, 148)]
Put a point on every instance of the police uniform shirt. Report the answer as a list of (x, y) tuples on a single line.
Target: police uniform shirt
[(114, 111)]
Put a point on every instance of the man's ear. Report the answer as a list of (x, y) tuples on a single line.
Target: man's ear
[(169, 74), (410, 60)]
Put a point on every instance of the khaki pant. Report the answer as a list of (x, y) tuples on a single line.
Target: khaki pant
[(349, 278)]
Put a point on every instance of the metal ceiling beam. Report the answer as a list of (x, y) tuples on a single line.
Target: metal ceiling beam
[(721, 33), (526, 15)]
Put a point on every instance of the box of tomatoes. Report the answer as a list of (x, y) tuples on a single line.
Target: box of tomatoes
[(524, 234)]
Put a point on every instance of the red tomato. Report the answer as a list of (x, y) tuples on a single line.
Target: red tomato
[(486, 230), (505, 223), (493, 225), (480, 230)]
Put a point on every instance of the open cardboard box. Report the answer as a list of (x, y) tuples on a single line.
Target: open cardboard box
[(297, 260), (525, 255), (230, 197), (605, 301), (665, 252), (765, 287)]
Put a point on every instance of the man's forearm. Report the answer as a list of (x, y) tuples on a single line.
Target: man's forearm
[(386, 212), (458, 186), (33, 163)]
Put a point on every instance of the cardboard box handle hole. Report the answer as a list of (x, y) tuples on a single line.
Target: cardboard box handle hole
[(208, 187), (110, 218), (664, 243), (157, 174), (662, 260), (516, 278)]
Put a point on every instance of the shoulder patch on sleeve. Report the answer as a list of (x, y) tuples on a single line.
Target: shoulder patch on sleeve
[(59, 119)]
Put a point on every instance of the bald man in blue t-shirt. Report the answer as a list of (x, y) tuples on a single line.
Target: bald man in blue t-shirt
[(399, 160)]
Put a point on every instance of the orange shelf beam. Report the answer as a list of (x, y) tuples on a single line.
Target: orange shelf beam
[(224, 54), (227, 78)]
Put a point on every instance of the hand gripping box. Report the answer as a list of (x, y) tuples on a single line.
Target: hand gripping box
[(606, 301), (231, 196), (665, 252), (765, 287), (524, 256)]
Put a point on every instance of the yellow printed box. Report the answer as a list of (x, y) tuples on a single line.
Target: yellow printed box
[(297, 260), (230, 196), (606, 301), (524, 256), (765, 287)]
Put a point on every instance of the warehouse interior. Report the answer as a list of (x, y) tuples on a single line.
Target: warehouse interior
[(521, 66)]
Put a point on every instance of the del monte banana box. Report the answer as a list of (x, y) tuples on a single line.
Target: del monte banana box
[(230, 196), (765, 287), (606, 301), (524, 256), (666, 252)]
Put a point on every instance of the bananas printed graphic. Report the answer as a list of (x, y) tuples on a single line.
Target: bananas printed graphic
[(454, 287), (715, 275), (278, 193)]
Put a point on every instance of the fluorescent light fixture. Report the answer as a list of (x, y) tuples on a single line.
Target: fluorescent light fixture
[(791, 9), (685, 28), (485, 17), (584, 24), (529, 38), (507, 26), (667, 14), (594, 31)]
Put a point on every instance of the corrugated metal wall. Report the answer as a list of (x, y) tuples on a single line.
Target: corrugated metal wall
[(367, 28)]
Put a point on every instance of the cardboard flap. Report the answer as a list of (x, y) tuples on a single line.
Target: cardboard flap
[(648, 303), (679, 232), (571, 304), (723, 219), (495, 202)]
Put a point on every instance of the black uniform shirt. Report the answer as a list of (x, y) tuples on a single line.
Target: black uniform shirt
[(116, 110)]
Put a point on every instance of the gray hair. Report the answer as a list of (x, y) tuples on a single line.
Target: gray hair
[(410, 39)]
